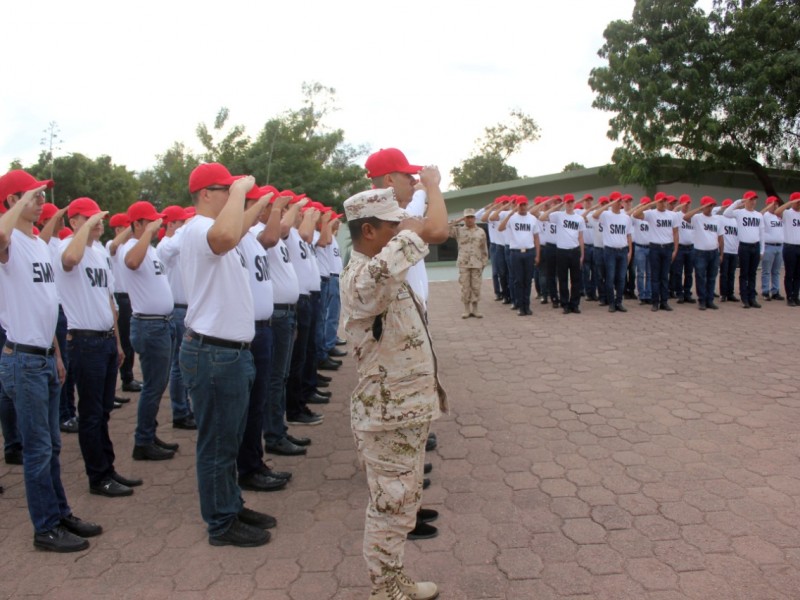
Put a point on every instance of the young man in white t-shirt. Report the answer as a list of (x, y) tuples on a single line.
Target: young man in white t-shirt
[(85, 283), (791, 247), (569, 252), (31, 370), (617, 249), (663, 225), (772, 254), (708, 242), (750, 227), (492, 217), (523, 238), (152, 329), (215, 356), (681, 278), (729, 259)]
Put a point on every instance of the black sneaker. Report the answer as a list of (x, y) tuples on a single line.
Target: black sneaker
[(13, 457), (576, 310), (755, 304), (340, 341), (110, 488), (305, 419), (132, 386), (427, 468), (79, 527), (121, 399), (129, 481), (285, 448), (621, 308), (426, 483), (242, 535), (298, 441), (59, 539), (777, 296), (70, 425), (427, 515), (256, 519), (165, 445), (665, 306), (713, 306), (151, 452), (423, 531), (186, 422), (260, 482), (690, 300), (430, 443), (277, 474)]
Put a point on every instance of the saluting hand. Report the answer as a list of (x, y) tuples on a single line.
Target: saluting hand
[(244, 184), (153, 226), (430, 176)]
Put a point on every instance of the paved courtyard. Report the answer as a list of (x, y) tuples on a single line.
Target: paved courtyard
[(597, 456)]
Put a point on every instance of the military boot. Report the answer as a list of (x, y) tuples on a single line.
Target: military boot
[(423, 590), (466, 312), (475, 312), (388, 591)]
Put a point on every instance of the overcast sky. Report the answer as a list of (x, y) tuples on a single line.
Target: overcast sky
[(128, 79)]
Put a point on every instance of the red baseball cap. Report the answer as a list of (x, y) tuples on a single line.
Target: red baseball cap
[(587, 197), (48, 210), (64, 233), (569, 198), (685, 199), (707, 200), (579, 206), (626, 197), (727, 202), (671, 199), (645, 200), (556, 197), (190, 212), (174, 213), (604, 200), (540, 200), (794, 196), (294, 197), (144, 211), (660, 196), (615, 195), (269, 189), (86, 207), (389, 160), (20, 181), (161, 233), (209, 174), (119, 220), (749, 195), (772, 199), (521, 199)]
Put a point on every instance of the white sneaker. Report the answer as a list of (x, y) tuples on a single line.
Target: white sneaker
[(423, 590)]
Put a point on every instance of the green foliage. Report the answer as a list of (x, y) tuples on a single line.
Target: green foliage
[(167, 182), (499, 142), (720, 91), (573, 166), (112, 186)]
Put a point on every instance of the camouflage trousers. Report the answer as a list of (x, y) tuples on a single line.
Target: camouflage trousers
[(394, 462), (470, 280)]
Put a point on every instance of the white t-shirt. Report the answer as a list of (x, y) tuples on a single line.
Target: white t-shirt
[(323, 257), (685, 231), (597, 230), (285, 287), (255, 257), (662, 224), (216, 286), (567, 229), (28, 286), (750, 223), (641, 232), (588, 235), (335, 257), (148, 285), (86, 290), (169, 251), (501, 237), (316, 279), (773, 229), (491, 226), (119, 284), (521, 229), (548, 232), (616, 229), (707, 231), (791, 226), (302, 261), (730, 235), (417, 276)]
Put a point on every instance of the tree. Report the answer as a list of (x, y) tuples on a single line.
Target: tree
[(488, 163), (112, 186), (718, 91), (229, 150), (573, 166), (168, 181)]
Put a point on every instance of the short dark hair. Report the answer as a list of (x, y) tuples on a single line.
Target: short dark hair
[(355, 226)]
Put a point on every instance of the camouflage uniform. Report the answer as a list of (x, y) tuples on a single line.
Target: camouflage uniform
[(472, 258), (398, 393)]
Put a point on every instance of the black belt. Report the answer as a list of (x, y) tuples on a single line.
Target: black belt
[(325, 278), (121, 294), (617, 247), (181, 306), (748, 243), (264, 323), (772, 244), (552, 244), (142, 317), (91, 333), (569, 249), (686, 245), (284, 306), (31, 349), (711, 250), (792, 245), (641, 245), (305, 296), (212, 341), (335, 275), (314, 294), (670, 245), (523, 250)]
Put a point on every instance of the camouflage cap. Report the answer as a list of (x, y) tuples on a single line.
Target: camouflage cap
[(469, 212), (377, 203)]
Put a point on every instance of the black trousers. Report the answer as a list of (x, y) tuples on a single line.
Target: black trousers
[(124, 313), (791, 275), (570, 276), (547, 271), (727, 274), (749, 257)]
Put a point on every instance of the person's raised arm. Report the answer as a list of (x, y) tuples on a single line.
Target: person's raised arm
[(73, 253), (135, 256), (226, 232), (270, 235), (502, 226), (785, 205), (49, 228), (435, 228), (730, 212), (9, 220)]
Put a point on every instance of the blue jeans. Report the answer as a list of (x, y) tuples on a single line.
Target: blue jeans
[(219, 381), (727, 275), (771, 264), (589, 283), (333, 307), (616, 262), (31, 383), (67, 399), (599, 267), (283, 330), (681, 272), (178, 396), (643, 283), (495, 274), (94, 364), (251, 452), (660, 259), (522, 266), (706, 267), (8, 416), (154, 341), (321, 353), (512, 285), (309, 376), (749, 257), (499, 267), (295, 402)]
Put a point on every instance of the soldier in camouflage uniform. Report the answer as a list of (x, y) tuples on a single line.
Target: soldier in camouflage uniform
[(473, 255), (398, 393)]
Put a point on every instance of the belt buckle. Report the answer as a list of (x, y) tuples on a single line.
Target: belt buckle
[(523, 250)]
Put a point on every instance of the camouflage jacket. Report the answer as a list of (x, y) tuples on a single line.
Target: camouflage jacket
[(472, 250), (398, 385)]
